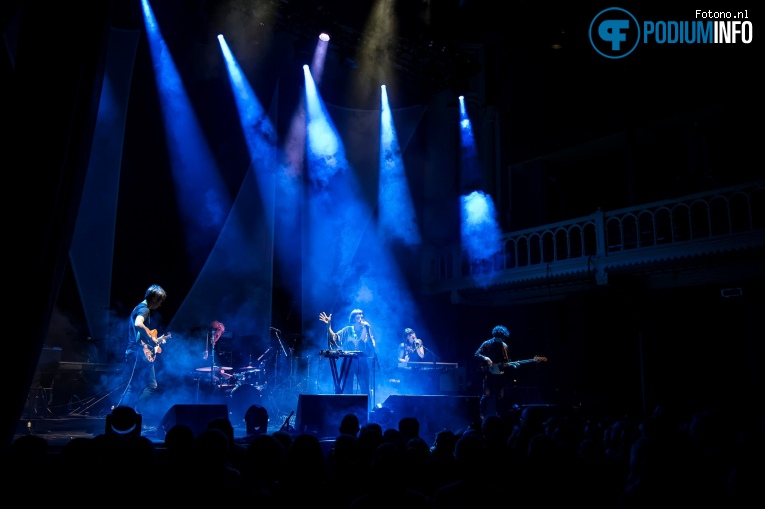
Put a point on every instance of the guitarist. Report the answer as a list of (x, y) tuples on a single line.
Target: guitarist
[(494, 357), (142, 349)]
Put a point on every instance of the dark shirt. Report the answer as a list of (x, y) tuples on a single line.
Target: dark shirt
[(494, 349), (134, 334)]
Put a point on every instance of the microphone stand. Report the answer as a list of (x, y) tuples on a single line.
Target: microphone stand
[(211, 339), (375, 366), (276, 357), (435, 356), (280, 342)]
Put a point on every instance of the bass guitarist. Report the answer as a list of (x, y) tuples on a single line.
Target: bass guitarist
[(495, 360), (143, 345)]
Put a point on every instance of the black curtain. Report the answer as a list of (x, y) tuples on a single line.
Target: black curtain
[(51, 83)]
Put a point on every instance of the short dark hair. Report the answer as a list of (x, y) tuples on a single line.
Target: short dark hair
[(354, 313), (501, 332), (407, 331), (156, 293)]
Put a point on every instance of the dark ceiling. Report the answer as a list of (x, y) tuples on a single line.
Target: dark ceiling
[(550, 100)]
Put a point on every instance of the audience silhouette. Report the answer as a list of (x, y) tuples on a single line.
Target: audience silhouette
[(711, 456)]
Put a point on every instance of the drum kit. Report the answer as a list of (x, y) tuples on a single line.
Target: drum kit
[(239, 388), (243, 387)]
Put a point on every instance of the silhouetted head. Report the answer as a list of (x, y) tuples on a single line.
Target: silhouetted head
[(409, 427), (349, 425), (256, 419), (223, 424), (123, 421)]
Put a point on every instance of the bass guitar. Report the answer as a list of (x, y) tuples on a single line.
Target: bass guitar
[(498, 368), (151, 351)]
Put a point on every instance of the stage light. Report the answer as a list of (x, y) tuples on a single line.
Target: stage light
[(324, 36)]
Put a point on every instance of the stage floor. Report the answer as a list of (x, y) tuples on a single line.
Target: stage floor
[(60, 430)]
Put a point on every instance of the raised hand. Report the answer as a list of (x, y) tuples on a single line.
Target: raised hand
[(324, 317)]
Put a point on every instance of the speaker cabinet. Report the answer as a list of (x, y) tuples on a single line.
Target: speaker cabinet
[(320, 414), (194, 416), (435, 413)]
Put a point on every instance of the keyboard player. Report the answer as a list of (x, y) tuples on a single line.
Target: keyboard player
[(356, 336), (411, 349)]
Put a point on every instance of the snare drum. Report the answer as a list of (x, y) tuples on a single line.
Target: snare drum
[(241, 398)]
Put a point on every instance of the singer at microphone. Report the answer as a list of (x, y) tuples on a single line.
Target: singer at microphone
[(412, 348), (356, 337)]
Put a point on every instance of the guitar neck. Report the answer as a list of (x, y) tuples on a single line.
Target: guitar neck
[(526, 361)]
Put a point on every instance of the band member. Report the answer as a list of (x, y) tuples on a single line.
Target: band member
[(356, 337), (217, 331), (412, 348), (494, 354), (142, 349), (219, 375)]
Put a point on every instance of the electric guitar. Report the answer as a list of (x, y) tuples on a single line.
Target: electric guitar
[(498, 368), (151, 351)]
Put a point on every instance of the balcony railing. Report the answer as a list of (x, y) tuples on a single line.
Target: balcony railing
[(723, 219)]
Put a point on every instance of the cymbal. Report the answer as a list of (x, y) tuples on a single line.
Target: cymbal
[(216, 368), (249, 368)]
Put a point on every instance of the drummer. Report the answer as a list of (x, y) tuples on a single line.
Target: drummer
[(220, 377), (223, 378), (217, 331)]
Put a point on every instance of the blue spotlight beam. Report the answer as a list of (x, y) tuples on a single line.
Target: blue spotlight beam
[(331, 215), (235, 285), (347, 263), (397, 218), (480, 232), (259, 132), (203, 202)]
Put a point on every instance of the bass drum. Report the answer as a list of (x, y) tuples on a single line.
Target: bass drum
[(243, 397)]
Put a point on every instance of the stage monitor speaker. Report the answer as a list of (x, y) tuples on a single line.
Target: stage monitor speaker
[(435, 413), (320, 414), (194, 416)]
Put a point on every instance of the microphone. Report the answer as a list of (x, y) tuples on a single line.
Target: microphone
[(365, 323)]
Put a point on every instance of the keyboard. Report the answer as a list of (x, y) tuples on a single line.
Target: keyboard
[(334, 354), (86, 366)]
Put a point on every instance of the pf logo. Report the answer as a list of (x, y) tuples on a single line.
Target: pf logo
[(614, 33)]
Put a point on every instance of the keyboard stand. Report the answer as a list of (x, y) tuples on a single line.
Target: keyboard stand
[(341, 378)]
